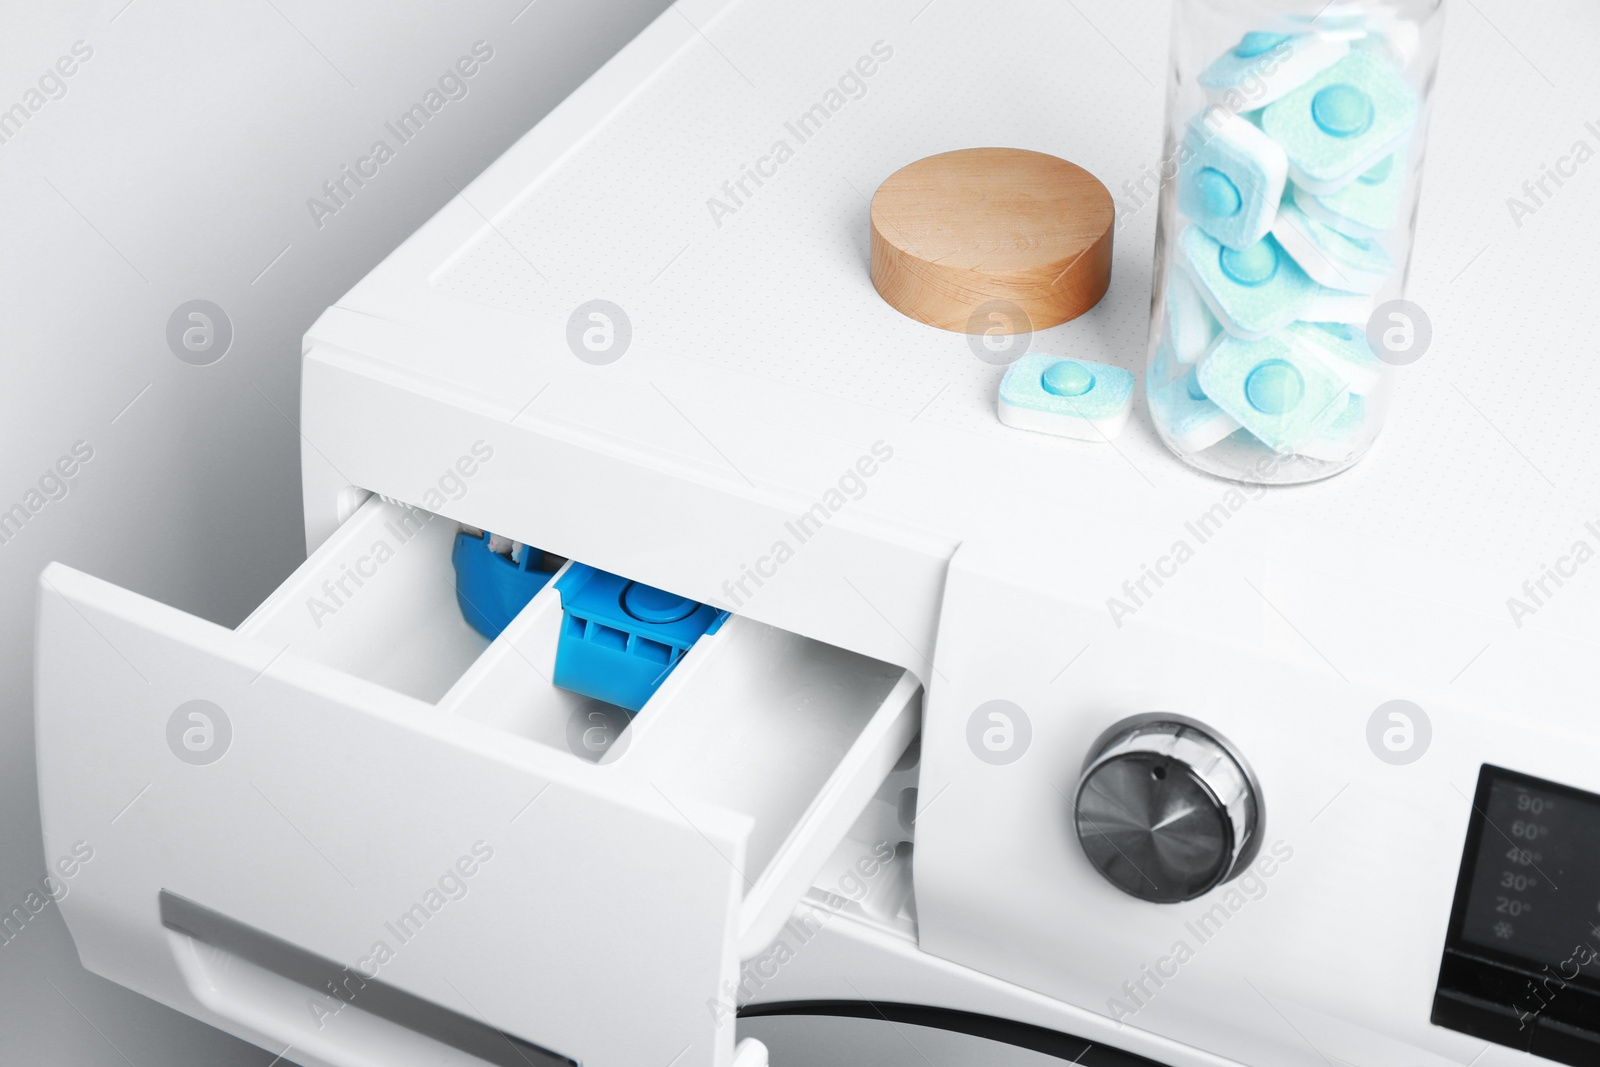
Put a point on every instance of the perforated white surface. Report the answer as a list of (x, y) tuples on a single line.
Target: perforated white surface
[(1490, 457)]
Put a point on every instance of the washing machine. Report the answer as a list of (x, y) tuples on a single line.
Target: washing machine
[(855, 819)]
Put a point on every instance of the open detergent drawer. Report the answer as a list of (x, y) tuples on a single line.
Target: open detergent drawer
[(355, 831)]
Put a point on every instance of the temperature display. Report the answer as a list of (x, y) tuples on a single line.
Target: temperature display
[(1535, 889), (1521, 965)]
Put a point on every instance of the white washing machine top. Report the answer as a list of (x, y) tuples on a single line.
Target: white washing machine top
[(713, 183)]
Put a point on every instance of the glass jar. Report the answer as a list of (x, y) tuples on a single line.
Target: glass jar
[(1293, 159)]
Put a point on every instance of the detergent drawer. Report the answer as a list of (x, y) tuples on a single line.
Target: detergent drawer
[(356, 832)]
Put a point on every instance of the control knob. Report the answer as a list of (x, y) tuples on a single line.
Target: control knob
[(1166, 810)]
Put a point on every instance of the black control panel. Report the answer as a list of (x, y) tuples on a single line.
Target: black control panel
[(1522, 961)]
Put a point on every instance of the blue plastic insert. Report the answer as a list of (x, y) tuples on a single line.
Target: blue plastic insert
[(620, 639), (490, 588)]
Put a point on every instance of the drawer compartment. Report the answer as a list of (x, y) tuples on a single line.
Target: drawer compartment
[(377, 601), (359, 748), (794, 734)]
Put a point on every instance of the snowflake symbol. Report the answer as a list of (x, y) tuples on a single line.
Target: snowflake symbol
[(1503, 930)]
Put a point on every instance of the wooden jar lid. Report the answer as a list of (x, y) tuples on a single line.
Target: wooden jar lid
[(954, 231)]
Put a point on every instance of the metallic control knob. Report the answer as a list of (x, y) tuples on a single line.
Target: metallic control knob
[(1165, 810)]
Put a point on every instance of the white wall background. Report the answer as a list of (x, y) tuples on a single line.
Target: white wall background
[(175, 164)]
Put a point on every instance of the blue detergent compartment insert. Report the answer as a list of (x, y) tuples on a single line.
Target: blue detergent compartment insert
[(491, 588), (620, 638)]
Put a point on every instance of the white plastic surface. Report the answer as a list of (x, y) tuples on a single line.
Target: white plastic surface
[(268, 1004), (763, 366), (764, 371), (336, 803), (380, 604), (755, 720)]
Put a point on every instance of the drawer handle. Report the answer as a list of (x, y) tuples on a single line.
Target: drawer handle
[(300, 971)]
